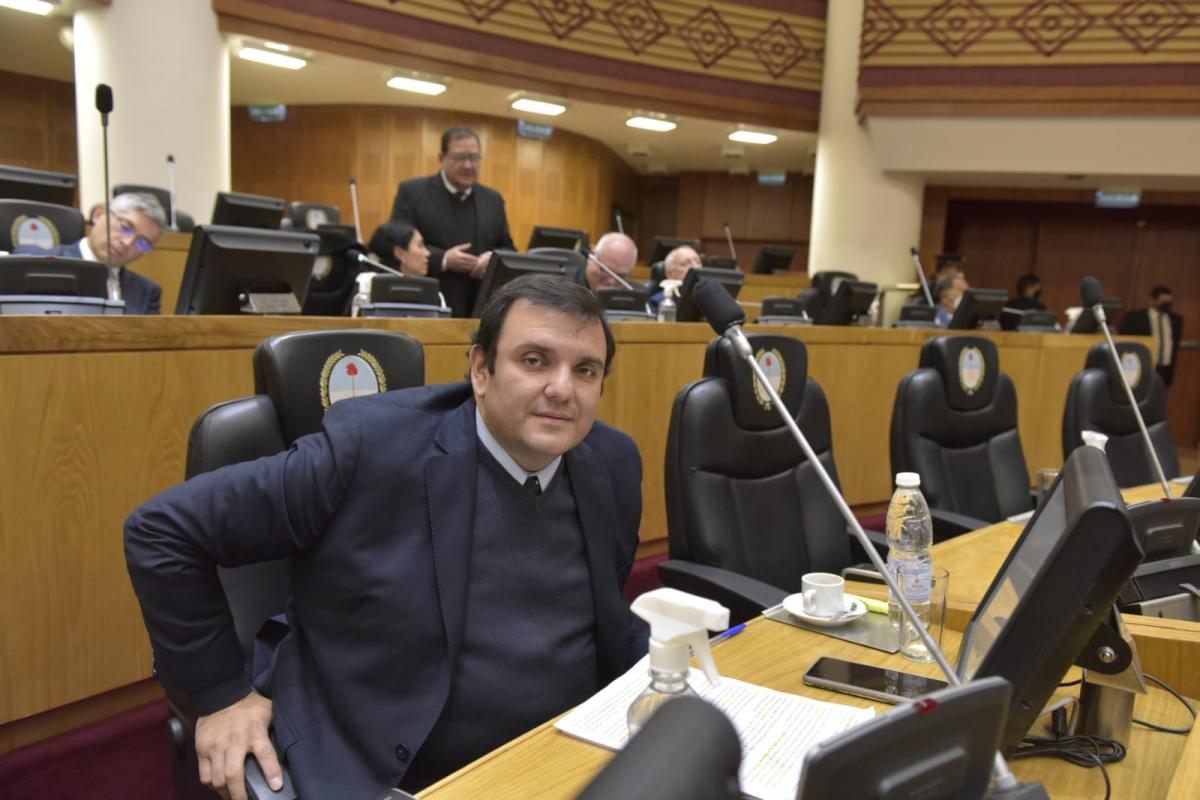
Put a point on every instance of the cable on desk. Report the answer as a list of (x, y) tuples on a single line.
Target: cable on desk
[(1082, 751), (1177, 696)]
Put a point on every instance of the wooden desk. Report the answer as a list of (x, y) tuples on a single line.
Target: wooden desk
[(97, 414), (547, 764)]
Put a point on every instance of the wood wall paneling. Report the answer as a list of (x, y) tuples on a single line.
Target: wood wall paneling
[(37, 123)]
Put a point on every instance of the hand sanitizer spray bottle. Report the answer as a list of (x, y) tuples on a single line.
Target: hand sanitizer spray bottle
[(667, 309), (678, 620)]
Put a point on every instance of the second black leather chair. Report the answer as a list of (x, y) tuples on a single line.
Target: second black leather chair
[(746, 512), (954, 423)]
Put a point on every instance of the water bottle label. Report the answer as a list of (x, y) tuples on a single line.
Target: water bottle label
[(915, 580)]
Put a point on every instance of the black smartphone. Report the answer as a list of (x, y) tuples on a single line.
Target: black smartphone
[(873, 683)]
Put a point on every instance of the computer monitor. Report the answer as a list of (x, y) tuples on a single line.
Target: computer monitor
[(19, 183), (624, 305), (1193, 488), (720, 262), (772, 259), (1028, 320), (51, 285), (916, 316), (566, 238), (506, 266), (245, 271), (1055, 589), (687, 310), (397, 296), (247, 210), (979, 308), (851, 300), (1086, 321), (665, 244)]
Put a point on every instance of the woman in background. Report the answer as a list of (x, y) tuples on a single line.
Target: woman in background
[(400, 246)]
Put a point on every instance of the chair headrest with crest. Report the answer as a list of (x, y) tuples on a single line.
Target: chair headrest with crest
[(969, 366), (782, 358), (1135, 363), (28, 223)]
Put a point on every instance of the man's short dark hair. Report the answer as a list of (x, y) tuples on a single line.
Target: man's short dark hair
[(455, 133), (1160, 290), (1026, 282), (544, 291)]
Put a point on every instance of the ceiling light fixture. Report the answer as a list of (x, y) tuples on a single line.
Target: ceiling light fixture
[(531, 105), (406, 83), (271, 59), (282, 48), (752, 137), (39, 7), (648, 122)]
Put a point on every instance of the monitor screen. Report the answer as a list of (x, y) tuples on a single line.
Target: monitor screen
[(247, 210), (18, 183), (977, 307), (687, 310), (1054, 590), (665, 244), (851, 300), (566, 238), (506, 266), (1086, 321), (241, 270), (772, 259)]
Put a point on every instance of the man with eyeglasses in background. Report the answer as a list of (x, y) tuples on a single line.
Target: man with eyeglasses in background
[(462, 220), (138, 221)]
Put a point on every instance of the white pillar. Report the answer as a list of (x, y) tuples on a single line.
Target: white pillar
[(169, 71), (864, 220)]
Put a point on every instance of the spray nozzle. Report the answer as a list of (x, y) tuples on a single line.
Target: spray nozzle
[(670, 287), (679, 620)]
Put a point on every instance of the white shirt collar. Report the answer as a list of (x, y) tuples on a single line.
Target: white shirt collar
[(85, 250), (518, 473), (454, 190)]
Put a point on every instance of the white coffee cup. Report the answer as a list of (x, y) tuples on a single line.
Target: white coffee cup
[(824, 594)]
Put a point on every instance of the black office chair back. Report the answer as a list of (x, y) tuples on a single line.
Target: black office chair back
[(304, 373), (819, 294), (740, 493), (1096, 401), (955, 423), (28, 223), (307, 216), (575, 259), (688, 750)]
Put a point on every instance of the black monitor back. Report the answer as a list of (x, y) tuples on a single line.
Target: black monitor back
[(1086, 321), (62, 277), (19, 183), (687, 310), (1056, 587), (507, 266), (224, 262), (566, 238), (772, 259), (665, 244), (851, 300), (720, 262), (978, 306), (248, 210), (1029, 320)]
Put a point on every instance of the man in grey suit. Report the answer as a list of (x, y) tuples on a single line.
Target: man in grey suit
[(462, 220), (137, 221)]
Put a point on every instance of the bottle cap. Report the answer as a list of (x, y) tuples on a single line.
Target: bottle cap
[(908, 480)]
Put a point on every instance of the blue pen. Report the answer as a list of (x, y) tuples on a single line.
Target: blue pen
[(729, 633)]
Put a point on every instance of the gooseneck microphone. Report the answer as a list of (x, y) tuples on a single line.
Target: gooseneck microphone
[(916, 257), (1093, 298), (363, 258), (726, 318), (620, 224), (104, 104), (171, 190), (612, 273), (354, 205), (729, 239)]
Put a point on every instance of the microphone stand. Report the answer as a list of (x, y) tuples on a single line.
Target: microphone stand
[(729, 239), (620, 226), (1003, 776), (1098, 311), (171, 190), (354, 205), (916, 257)]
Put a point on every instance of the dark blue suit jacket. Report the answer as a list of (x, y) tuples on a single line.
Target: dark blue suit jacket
[(377, 514), (141, 295)]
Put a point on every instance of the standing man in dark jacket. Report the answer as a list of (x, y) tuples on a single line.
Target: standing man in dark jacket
[(1163, 324), (462, 220)]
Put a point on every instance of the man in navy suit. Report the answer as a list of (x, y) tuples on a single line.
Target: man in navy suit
[(458, 554), (462, 220), (137, 223)]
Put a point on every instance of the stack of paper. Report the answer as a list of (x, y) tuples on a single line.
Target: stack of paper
[(776, 728)]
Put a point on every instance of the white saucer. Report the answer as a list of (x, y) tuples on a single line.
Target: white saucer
[(794, 605)]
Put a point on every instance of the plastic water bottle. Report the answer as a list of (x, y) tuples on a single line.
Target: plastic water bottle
[(910, 536), (363, 294)]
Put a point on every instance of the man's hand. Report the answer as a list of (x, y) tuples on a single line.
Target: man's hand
[(225, 738), (480, 266), (457, 259)]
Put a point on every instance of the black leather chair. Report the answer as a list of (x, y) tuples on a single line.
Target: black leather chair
[(307, 216), (45, 225), (819, 295), (292, 375), (954, 422), (1096, 401), (746, 512)]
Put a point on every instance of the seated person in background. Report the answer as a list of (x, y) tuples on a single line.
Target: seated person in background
[(458, 554), (400, 246), (138, 220), (947, 266), (1029, 294), (676, 265), (619, 253), (947, 294)]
